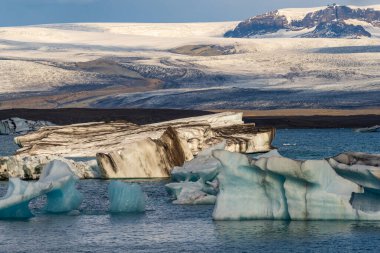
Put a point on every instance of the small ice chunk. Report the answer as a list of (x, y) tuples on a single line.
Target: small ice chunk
[(125, 197), (192, 193), (196, 179)]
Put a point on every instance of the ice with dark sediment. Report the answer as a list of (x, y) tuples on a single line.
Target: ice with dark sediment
[(21, 126), (196, 180), (345, 187)]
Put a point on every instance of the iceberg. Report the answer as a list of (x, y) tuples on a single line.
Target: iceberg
[(21, 126), (128, 198), (276, 187), (195, 182), (145, 158), (368, 129), (62, 195), (30, 167), (195, 193), (57, 182), (198, 133)]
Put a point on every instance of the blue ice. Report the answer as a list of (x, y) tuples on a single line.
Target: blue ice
[(57, 181), (128, 198)]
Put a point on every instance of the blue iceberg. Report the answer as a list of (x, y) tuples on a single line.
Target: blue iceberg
[(57, 182), (128, 198), (270, 186)]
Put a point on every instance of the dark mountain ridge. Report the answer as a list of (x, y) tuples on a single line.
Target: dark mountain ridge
[(329, 22)]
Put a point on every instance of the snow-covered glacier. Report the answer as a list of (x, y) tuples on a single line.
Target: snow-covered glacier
[(57, 182), (345, 187)]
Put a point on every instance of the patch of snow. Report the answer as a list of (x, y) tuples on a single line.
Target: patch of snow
[(374, 31), (375, 7), (292, 14)]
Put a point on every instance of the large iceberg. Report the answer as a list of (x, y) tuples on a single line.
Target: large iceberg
[(275, 187), (128, 198), (199, 133), (146, 158), (56, 181)]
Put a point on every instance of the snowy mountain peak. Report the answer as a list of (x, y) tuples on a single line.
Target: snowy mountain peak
[(320, 22)]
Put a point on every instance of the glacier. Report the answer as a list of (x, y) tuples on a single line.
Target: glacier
[(57, 182), (345, 187), (128, 198)]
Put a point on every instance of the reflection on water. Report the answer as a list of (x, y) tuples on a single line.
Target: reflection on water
[(300, 236)]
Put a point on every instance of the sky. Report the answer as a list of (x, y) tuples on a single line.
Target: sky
[(29, 12)]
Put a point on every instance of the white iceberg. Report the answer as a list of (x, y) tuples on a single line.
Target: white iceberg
[(275, 187), (368, 129), (196, 179), (58, 183), (30, 167), (128, 198), (21, 126), (197, 193)]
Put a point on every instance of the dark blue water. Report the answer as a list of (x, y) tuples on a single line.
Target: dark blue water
[(165, 227), (322, 143)]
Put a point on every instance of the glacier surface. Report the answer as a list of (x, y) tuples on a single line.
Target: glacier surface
[(128, 198), (57, 182), (276, 187)]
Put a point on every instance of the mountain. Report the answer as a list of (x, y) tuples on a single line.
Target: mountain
[(336, 29), (333, 21)]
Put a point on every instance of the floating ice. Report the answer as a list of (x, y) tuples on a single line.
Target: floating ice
[(21, 126), (197, 193), (56, 181), (368, 129), (275, 187), (125, 197), (62, 196), (197, 182)]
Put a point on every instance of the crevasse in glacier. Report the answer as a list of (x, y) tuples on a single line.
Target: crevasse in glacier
[(128, 198), (196, 180), (58, 183), (275, 187)]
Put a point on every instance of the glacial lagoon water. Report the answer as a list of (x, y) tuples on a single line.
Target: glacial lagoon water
[(165, 227)]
